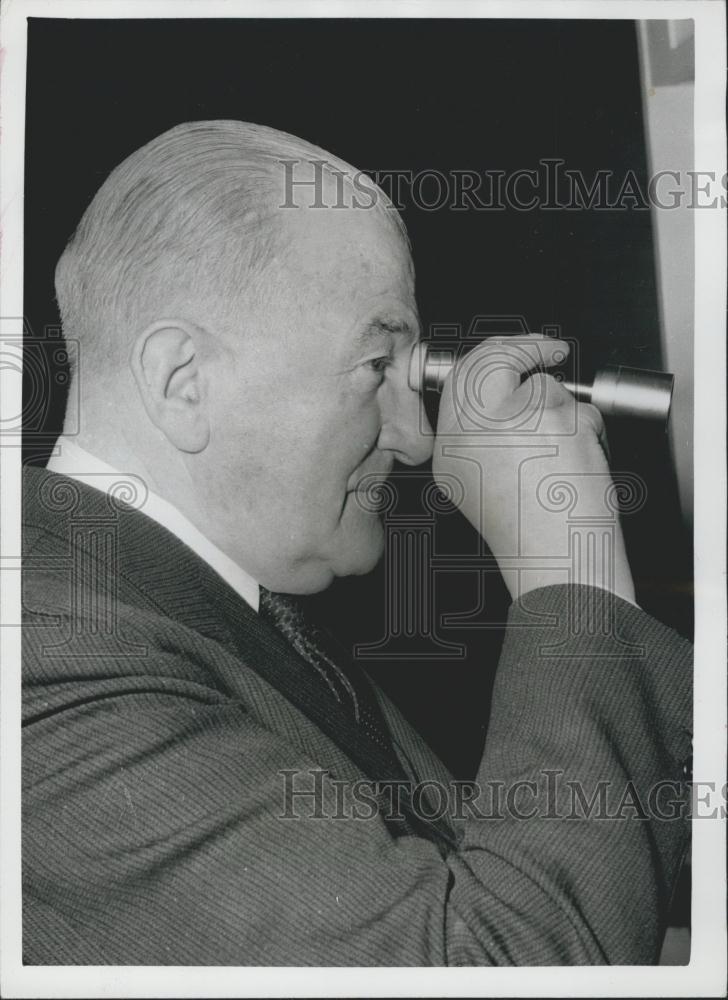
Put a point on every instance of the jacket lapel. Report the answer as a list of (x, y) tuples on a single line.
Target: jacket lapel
[(166, 573)]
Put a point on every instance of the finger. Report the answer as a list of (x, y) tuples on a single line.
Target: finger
[(543, 392), (593, 417), (496, 367)]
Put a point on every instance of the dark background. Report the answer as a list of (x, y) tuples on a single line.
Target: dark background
[(480, 95)]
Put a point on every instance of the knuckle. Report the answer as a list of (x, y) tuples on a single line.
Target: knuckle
[(545, 380), (590, 415)]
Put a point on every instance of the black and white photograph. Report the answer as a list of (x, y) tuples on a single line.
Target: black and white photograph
[(363, 498)]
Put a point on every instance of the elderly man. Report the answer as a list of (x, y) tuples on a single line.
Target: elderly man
[(195, 753)]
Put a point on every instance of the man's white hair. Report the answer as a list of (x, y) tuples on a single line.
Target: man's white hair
[(183, 226)]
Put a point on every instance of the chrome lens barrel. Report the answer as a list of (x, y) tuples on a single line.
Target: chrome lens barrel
[(617, 391)]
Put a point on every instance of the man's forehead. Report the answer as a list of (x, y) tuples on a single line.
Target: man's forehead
[(351, 269), (364, 237)]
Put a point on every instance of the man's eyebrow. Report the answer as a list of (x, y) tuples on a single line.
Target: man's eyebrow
[(381, 325)]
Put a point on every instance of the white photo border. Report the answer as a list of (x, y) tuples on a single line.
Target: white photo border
[(706, 973)]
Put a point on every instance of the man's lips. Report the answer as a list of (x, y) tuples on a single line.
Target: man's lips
[(370, 492), (365, 482)]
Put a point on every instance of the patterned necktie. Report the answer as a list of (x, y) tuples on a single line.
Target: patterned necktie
[(344, 679)]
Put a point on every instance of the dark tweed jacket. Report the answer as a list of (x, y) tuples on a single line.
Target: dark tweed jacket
[(160, 712)]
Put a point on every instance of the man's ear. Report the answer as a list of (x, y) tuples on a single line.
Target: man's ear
[(165, 362)]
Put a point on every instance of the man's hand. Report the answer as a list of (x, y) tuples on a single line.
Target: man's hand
[(526, 464)]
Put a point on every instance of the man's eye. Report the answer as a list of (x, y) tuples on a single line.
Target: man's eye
[(380, 365)]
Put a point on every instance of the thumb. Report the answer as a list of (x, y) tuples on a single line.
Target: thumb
[(485, 383), (543, 391), (496, 367)]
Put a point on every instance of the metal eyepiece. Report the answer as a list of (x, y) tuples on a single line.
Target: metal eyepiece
[(617, 391), (429, 367)]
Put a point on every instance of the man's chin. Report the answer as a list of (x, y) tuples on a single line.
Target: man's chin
[(358, 550), (363, 548)]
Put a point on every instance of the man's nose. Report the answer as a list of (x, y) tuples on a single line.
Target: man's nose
[(406, 431)]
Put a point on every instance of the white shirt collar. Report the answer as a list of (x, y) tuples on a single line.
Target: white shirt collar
[(77, 463)]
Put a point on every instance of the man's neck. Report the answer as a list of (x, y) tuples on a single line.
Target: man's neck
[(74, 459)]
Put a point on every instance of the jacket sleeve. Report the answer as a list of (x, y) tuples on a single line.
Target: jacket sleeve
[(158, 826)]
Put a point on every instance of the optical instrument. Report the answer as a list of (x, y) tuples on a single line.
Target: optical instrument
[(617, 391)]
